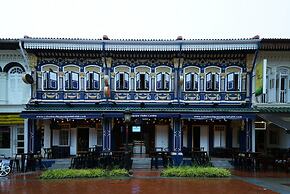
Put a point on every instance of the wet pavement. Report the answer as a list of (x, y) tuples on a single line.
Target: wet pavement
[(275, 180), (261, 174), (141, 182)]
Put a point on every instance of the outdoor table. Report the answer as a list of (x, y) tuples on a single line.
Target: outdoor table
[(28, 161), (200, 157), (47, 153), (155, 155)]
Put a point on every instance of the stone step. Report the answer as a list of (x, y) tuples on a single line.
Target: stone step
[(221, 163), (141, 163), (61, 164), (141, 167)]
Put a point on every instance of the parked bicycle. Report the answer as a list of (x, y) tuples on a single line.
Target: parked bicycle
[(5, 168)]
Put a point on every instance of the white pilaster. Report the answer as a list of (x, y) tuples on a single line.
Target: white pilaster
[(253, 137), (47, 134), (25, 135)]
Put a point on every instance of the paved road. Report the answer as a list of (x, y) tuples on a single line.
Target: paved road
[(32, 185)]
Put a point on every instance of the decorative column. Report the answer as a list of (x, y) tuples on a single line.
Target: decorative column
[(177, 141), (253, 136), (107, 126), (31, 136), (249, 135), (246, 136), (243, 137)]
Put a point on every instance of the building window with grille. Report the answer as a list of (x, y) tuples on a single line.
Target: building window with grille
[(71, 80), (212, 82), (142, 81), (92, 81), (233, 82), (191, 82), (99, 137), (4, 137), (122, 81), (64, 137), (219, 136), (162, 81), (50, 81)]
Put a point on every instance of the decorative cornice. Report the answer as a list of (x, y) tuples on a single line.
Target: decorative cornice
[(140, 45)]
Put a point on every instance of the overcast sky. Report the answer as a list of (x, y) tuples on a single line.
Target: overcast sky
[(164, 19)]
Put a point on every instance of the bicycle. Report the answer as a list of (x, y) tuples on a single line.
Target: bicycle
[(5, 168)]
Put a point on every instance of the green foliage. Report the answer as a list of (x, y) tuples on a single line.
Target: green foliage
[(188, 171), (82, 173), (118, 172)]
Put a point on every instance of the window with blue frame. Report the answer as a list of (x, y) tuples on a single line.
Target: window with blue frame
[(50, 80), (233, 81), (212, 81), (191, 82), (122, 81), (142, 81), (71, 80), (92, 81), (162, 81)]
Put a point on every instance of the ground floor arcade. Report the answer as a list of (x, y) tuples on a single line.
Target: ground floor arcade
[(141, 135)]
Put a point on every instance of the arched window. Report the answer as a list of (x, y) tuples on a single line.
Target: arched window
[(122, 81), (15, 70), (92, 81), (233, 81), (7, 68), (71, 80), (71, 77), (50, 77), (162, 81), (50, 80), (17, 89), (191, 82), (212, 81), (142, 81)]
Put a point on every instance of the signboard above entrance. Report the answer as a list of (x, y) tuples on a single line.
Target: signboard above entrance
[(136, 128)]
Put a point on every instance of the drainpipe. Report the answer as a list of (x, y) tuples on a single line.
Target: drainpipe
[(23, 54)]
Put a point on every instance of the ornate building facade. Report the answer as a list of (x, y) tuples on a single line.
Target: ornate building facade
[(179, 93)]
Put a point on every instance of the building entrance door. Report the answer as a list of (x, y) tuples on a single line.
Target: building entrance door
[(82, 139), (196, 136), (161, 136)]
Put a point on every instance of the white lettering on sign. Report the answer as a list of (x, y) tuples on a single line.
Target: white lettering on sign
[(144, 116), (61, 117)]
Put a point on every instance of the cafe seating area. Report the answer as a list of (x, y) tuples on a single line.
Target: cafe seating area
[(161, 157), (274, 159), (26, 162), (96, 158)]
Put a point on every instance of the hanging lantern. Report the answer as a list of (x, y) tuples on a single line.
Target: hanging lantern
[(107, 91), (106, 80)]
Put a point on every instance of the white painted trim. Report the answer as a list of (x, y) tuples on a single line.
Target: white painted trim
[(115, 80), (205, 74), (184, 78), (135, 78), (42, 79), (239, 80), (170, 78), (79, 80)]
